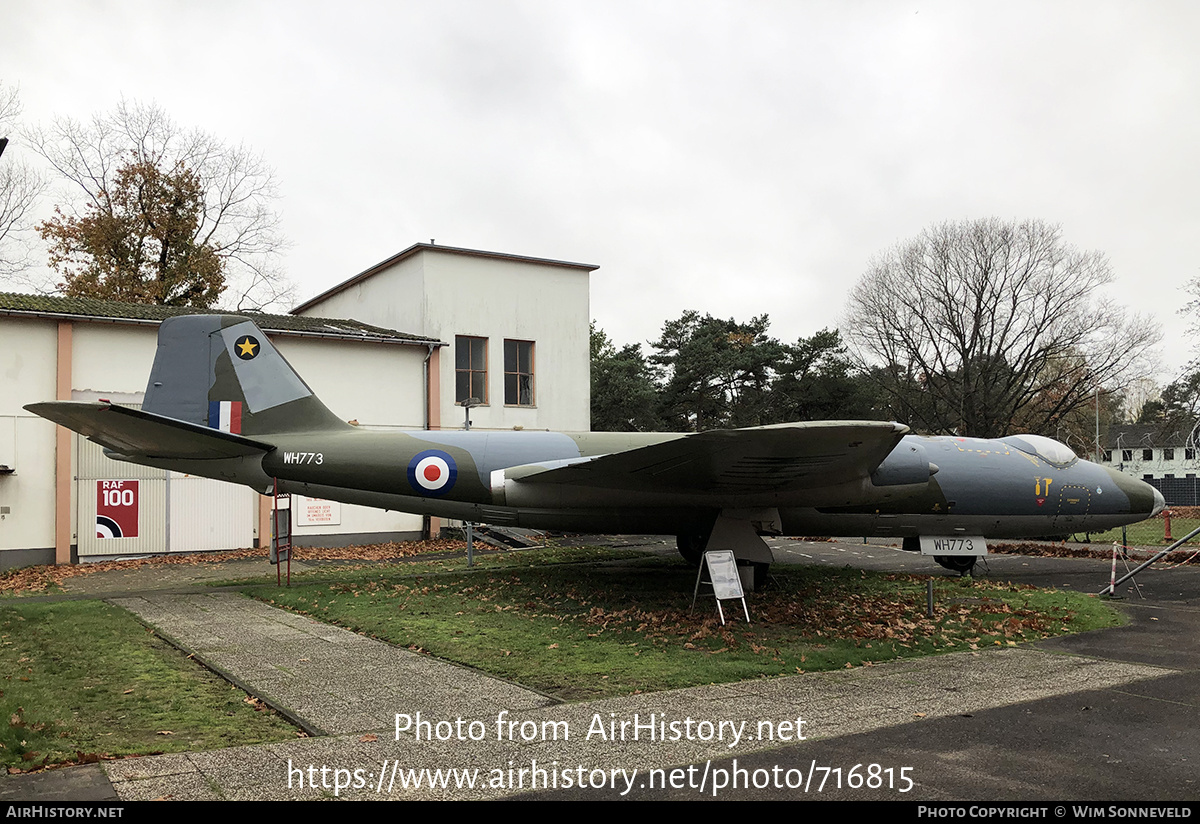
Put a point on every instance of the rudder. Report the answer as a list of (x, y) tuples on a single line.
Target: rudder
[(221, 371)]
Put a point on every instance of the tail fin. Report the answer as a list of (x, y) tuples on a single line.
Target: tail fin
[(221, 371)]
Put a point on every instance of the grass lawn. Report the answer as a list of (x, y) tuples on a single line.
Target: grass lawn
[(490, 559), (1149, 532), (81, 680), (592, 630)]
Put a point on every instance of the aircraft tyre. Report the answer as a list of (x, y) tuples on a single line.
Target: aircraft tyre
[(691, 547), (762, 574), (962, 564)]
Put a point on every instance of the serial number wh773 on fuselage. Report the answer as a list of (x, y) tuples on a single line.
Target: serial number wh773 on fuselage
[(304, 457)]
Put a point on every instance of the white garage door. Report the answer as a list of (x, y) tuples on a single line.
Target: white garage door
[(123, 509)]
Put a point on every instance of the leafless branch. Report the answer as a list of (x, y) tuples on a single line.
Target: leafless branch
[(20, 188), (986, 327)]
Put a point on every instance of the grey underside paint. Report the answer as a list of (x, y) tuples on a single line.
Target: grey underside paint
[(497, 450)]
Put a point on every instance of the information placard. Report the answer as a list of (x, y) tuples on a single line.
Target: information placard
[(723, 572), (317, 512)]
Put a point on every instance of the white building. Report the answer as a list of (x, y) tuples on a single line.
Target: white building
[(518, 328), (52, 480), (519, 333), (1167, 460)]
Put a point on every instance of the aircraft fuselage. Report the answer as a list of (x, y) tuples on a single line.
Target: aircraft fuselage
[(977, 487)]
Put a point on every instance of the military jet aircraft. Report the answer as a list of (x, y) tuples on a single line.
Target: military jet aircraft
[(223, 403)]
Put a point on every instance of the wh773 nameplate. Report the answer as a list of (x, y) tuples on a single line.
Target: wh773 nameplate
[(953, 545)]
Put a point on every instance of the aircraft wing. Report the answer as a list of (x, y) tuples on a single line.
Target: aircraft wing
[(135, 433), (780, 458)]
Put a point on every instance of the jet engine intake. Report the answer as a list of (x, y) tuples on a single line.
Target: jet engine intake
[(907, 464)]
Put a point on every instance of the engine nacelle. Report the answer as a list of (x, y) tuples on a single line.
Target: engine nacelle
[(907, 464), (507, 491)]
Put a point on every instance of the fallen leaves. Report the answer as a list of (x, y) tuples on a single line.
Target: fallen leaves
[(1064, 550), (42, 577)]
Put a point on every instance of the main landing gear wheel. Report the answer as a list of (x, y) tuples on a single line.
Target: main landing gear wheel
[(691, 547), (762, 575), (962, 564)]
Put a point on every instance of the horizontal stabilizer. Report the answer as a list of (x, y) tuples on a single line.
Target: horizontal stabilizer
[(138, 434), (762, 459)]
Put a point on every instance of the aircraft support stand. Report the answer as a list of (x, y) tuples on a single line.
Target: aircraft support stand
[(1161, 553)]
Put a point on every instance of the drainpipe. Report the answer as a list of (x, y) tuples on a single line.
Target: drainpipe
[(429, 527), (425, 373)]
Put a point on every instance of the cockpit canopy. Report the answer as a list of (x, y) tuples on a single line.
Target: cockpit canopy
[(1045, 448)]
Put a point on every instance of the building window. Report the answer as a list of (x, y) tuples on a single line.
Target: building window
[(1147, 454), (1127, 454), (1189, 454), (518, 372), (1147, 477), (1168, 454), (470, 368), (1107, 456)]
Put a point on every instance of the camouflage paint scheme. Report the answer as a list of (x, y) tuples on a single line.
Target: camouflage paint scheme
[(865, 478)]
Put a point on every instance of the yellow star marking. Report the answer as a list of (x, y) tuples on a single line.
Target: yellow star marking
[(247, 347)]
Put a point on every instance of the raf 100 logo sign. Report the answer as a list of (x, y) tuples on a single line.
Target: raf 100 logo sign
[(116, 509)]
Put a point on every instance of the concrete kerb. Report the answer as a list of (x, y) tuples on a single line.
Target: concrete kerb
[(286, 712)]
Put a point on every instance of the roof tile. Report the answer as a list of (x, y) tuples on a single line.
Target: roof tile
[(12, 303)]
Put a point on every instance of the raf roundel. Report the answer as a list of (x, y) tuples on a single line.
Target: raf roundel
[(432, 472)]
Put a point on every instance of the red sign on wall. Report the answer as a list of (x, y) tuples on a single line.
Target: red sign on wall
[(116, 509)]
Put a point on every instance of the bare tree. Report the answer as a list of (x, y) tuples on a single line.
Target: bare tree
[(984, 328), (20, 187), (237, 219)]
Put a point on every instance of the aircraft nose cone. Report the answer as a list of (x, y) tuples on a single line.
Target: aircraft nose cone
[(1144, 500)]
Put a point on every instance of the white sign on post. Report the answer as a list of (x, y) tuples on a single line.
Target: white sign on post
[(724, 578), (723, 572)]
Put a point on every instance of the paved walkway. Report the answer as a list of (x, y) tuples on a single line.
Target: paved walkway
[(353, 687), (333, 680)]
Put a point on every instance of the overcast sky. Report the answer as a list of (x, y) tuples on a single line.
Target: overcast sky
[(734, 158)]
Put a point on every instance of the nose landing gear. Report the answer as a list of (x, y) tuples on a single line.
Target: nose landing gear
[(962, 564)]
